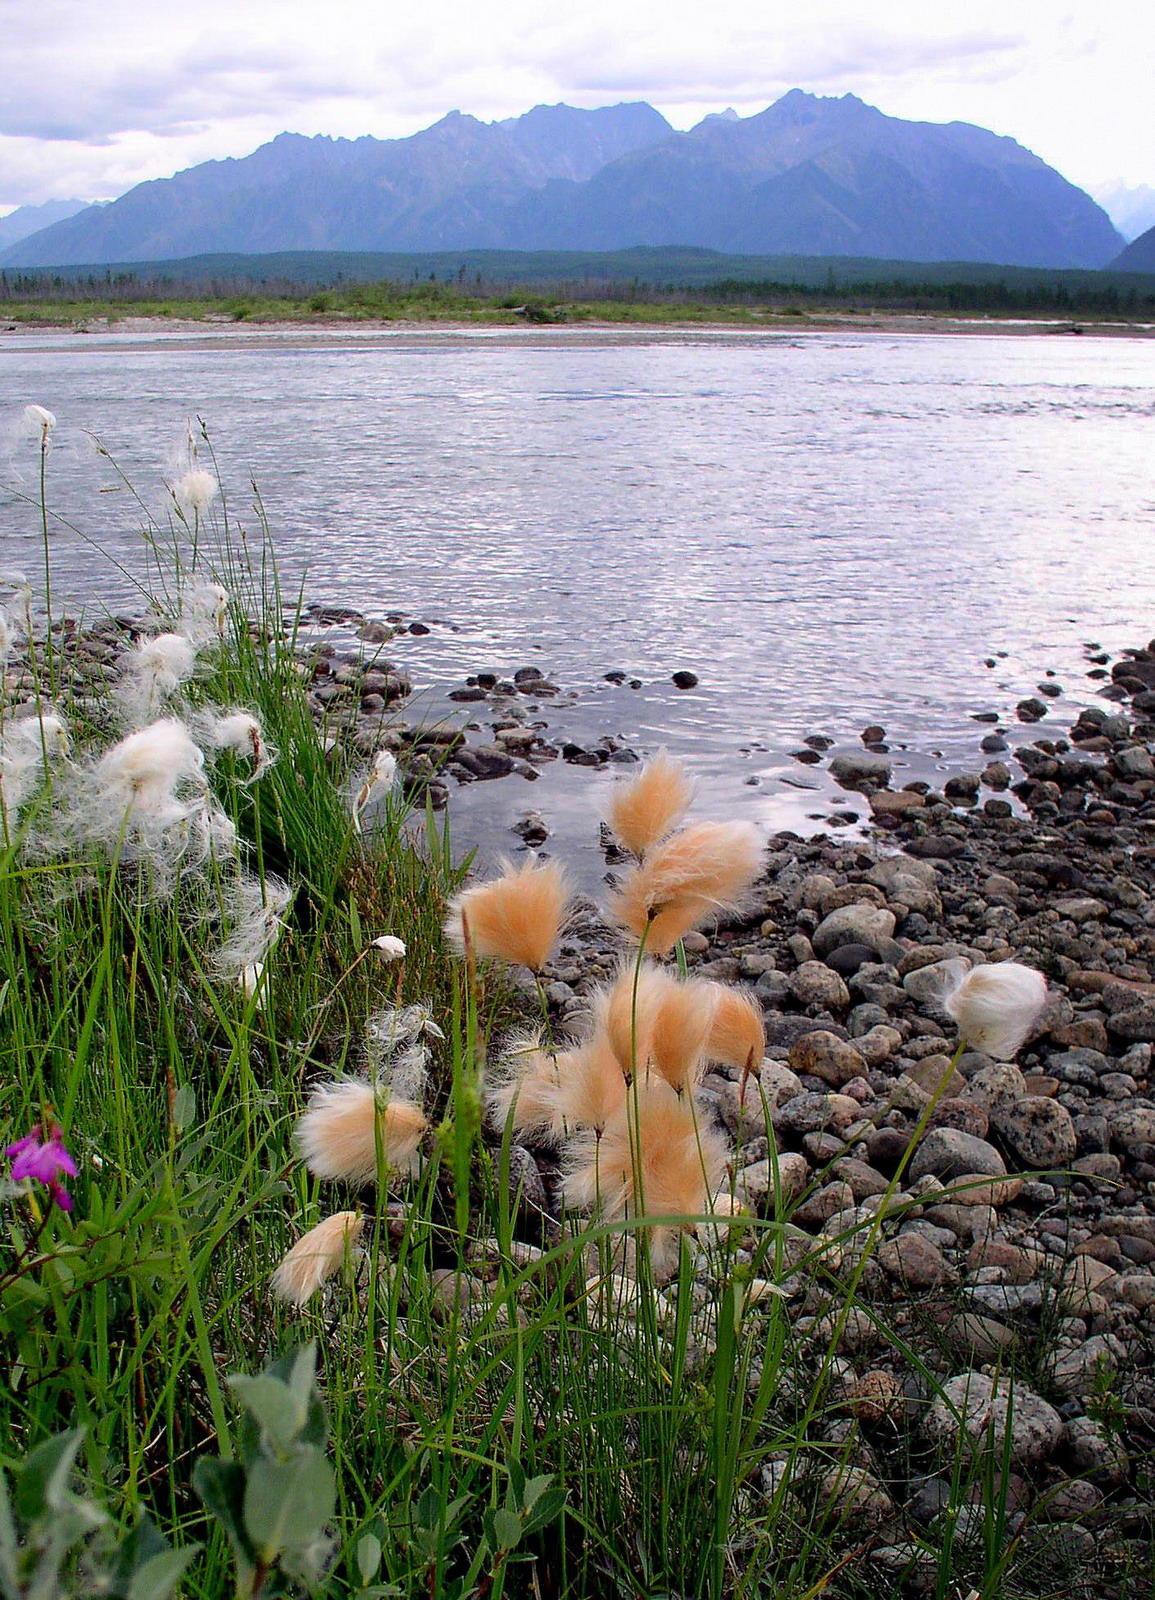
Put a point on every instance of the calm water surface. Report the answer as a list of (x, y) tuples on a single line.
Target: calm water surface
[(831, 529)]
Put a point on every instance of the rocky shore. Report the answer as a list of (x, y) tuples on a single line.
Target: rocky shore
[(1017, 1258), (1020, 1261)]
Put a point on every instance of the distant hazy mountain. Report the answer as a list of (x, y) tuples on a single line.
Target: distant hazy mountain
[(830, 177), (441, 187), (1131, 207), (27, 220), (1139, 255), (807, 176)]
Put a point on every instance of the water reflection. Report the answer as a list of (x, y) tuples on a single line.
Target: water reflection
[(830, 530)]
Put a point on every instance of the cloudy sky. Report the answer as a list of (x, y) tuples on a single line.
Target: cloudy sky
[(97, 95)]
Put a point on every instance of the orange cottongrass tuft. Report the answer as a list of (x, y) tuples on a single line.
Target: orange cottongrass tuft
[(737, 1031), (339, 1133), (524, 1092), (516, 917), (316, 1257), (652, 1160), (591, 1088), (643, 811), (700, 869), (665, 1029)]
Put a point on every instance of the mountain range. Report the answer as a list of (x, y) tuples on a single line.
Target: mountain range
[(808, 176), (1139, 255), (26, 220)]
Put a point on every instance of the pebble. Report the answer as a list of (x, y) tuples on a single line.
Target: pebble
[(860, 923), (1039, 1131), (815, 984), (948, 1154), (1008, 1413), (826, 1056), (914, 1262)]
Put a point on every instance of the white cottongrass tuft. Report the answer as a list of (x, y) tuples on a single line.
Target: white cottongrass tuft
[(317, 1257), (154, 672), (390, 947), (240, 732), (39, 421), (995, 1006), (204, 612), (195, 491), (397, 1055), (27, 746), (8, 638), (378, 785), (144, 794), (257, 913)]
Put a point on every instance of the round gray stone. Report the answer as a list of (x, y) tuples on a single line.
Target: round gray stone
[(978, 1409)]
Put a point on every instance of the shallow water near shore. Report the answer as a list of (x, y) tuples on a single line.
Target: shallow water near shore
[(829, 529)]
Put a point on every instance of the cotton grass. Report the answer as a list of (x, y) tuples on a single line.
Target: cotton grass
[(996, 1006), (516, 918), (317, 1257), (703, 868), (349, 1130)]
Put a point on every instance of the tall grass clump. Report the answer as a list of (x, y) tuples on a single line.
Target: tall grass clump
[(332, 1263)]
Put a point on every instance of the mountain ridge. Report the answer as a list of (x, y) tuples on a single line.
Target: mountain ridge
[(807, 175)]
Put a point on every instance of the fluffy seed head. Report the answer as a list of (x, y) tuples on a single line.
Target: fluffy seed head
[(699, 870), (27, 745), (135, 784), (378, 785), (390, 947), (524, 1090), (647, 808), (317, 1257), (652, 1160), (240, 732), (155, 671), (256, 912), (196, 490), (39, 421), (737, 1030), (338, 1135), (996, 1006), (591, 1087), (204, 611), (666, 1029), (517, 917)]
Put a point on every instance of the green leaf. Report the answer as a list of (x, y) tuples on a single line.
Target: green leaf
[(288, 1503), (221, 1486), (516, 1482), (43, 1482), (184, 1107), (507, 1529), (157, 1579), (133, 1551), (550, 1506), (534, 1489), (368, 1557), (277, 1410), (304, 1376)]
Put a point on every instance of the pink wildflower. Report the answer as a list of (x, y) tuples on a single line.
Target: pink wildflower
[(43, 1160)]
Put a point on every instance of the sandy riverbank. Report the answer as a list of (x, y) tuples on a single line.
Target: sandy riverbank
[(214, 329)]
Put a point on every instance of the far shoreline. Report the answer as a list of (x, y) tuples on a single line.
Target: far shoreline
[(215, 328)]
